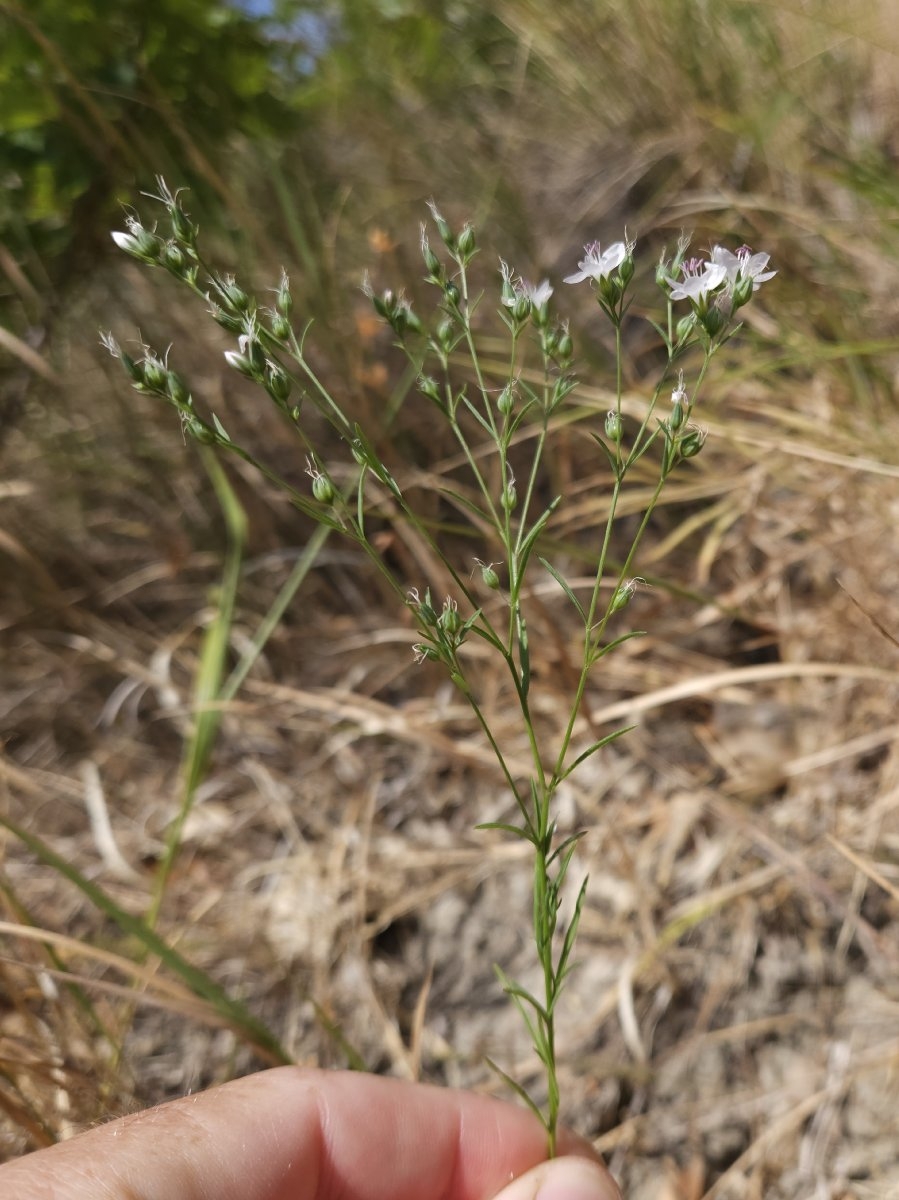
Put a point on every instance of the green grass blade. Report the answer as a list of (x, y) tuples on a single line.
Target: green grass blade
[(236, 1014)]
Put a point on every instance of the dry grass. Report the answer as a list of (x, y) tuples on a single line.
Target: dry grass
[(733, 1027)]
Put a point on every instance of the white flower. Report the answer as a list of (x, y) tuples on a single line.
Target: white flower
[(679, 394), (598, 264), (699, 278), (515, 286), (743, 265)]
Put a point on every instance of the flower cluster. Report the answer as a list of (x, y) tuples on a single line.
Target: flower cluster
[(522, 297), (717, 286), (610, 271)]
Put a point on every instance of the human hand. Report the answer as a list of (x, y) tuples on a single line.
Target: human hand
[(292, 1134)]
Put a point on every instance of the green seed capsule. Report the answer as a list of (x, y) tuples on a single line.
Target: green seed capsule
[(155, 374), (614, 427), (280, 327), (490, 577), (505, 401), (201, 432), (510, 498), (691, 443), (322, 489), (450, 621)]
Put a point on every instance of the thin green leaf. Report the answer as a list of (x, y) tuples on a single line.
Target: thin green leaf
[(467, 504), (568, 941), (524, 657), (518, 1090), (606, 451), (506, 828), (560, 580), (611, 737), (355, 1061), (519, 994), (477, 416), (220, 429), (201, 984), (602, 651), (528, 544)]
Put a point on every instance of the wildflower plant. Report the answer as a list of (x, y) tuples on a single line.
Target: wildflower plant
[(481, 411)]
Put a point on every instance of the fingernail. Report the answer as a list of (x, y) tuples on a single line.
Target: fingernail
[(563, 1179)]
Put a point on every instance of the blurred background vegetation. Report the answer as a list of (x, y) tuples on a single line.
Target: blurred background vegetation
[(310, 135)]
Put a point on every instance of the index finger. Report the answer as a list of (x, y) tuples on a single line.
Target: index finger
[(293, 1134)]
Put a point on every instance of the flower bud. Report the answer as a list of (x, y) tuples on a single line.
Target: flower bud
[(255, 354), (614, 427), (425, 653), (139, 243), (384, 305), (201, 432), (712, 321), (680, 405), (134, 369), (404, 319), (236, 297), (424, 608), (452, 293), (240, 363), (505, 401), (446, 334), (284, 302), (489, 576), (176, 388), (432, 262), (277, 382), (449, 620), (322, 489), (521, 309), (509, 498), (226, 320), (280, 327), (691, 443), (173, 259), (182, 226), (155, 374), (428, 386), (684, 327), (743, 290), (621, 597), (358, 452), (446, 234), (467, 242)]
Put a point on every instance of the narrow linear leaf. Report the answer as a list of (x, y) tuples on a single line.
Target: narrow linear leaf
[(477, 416), (539, 525), (568, 941), (602, 651), (519, 417), (220, 429), (518, 1090), (596, 746), (606, 451), (467, 504), (563, 584), (520, 995), (196, 979), (513, 829)]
